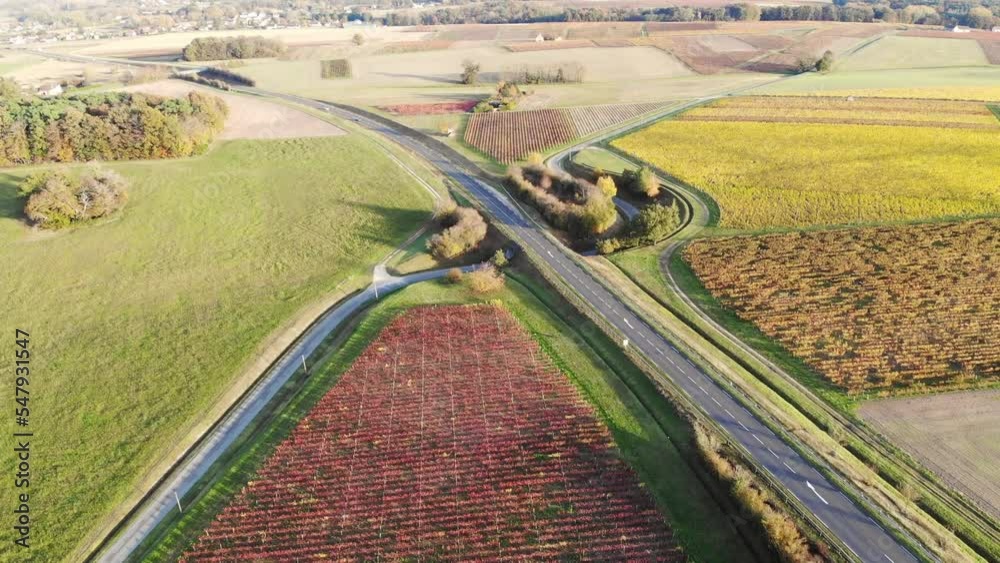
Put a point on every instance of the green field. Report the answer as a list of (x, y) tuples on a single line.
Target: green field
[(653, 439), (915, 52), (783, 175), (141, 323)]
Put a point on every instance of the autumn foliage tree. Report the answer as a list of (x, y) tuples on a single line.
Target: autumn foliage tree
[(463, 229), (107, 126), (241, 47), (56, 200)]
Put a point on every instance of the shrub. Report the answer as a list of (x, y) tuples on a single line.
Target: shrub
[(568, 203), (825, 63), (607, 185), (225, 75), (499, 259), (57, 200), (654, 223), (454, 275), (358, 39), (470, 72), (484, 279), (641, 182), (464, 229), (242, 47), (335, 68)]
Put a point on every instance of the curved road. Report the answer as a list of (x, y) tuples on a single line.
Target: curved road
[(862, 535), (161, 501)]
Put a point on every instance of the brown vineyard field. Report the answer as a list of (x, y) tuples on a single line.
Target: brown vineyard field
[(873, 309)]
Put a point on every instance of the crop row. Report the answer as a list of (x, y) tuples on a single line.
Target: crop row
[(512, 136), (765, 175), (873, 309), (452, 437)]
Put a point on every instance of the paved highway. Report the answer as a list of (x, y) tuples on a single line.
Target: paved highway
[(862, 535)]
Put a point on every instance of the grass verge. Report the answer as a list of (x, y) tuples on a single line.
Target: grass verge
[(652, 437)]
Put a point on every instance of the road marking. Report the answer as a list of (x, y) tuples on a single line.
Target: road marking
[(889, 558), (772, 453), (758, 439), (702, 389), (716, 402), (813, 489), (693, 381), (744, 427), (790, 468), (730, 414), (628, 323)]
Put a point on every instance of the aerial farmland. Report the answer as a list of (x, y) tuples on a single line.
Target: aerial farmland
[(501, 281)]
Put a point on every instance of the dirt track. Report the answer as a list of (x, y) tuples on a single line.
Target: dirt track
[(957, 435), (250, 118)]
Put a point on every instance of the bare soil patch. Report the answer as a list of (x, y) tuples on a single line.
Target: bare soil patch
[(250, 118), (956, 435)]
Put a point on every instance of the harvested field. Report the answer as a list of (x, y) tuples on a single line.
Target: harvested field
[(432, 108), (452, 437), (512, 136), (699, 53), (249, 117), (661, 28), (780, 175), (414, 46), (872, 309), (872, 111), (992, 51), (548, 45), (914, 52), (956, 435), (604, 30)]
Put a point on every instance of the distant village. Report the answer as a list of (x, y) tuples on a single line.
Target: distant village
[(208, 17)]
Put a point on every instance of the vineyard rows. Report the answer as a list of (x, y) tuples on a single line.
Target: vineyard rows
[(452, 437), (873, 309), (874, 111), (513, 135), (433, 108), (766, 175)]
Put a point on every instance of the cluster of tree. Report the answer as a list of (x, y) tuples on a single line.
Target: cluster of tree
[(240, 47), (105, 126), (506, 97), (199, 79), (652, 224), (335, 68), (55, 200), (571, 204), (470, 72), (463, 228), (974, 13), (561, 73), (641, 182)]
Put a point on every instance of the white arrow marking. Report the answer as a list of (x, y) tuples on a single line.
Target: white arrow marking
[(813, 489), (628, 323)]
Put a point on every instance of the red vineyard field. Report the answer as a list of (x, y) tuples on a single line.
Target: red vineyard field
[(451, 438), (513, 135), (434, 108)]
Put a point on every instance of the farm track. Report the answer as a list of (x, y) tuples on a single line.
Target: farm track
[(981, 521), (847, 521)]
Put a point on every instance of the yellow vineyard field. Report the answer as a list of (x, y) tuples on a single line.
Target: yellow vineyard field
[(774, 175), (871, 309)]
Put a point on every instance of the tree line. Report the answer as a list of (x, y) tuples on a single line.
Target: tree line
[(463, 228), (974, 13), (105, 126), (239, 47)]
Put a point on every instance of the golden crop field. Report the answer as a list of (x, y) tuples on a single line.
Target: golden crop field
[(773, 175), (871, 309), (981, 93)]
